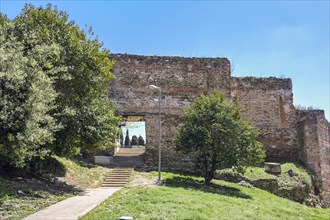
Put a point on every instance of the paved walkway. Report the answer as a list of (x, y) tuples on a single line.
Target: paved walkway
[(74, 207)]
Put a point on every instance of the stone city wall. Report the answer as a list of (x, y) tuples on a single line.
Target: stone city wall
[(286, 133), (268, 104), (181, 80)]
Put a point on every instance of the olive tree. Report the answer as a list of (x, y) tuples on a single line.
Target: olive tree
[(27, 96), (216, 136), (54, 80), (82, 105)]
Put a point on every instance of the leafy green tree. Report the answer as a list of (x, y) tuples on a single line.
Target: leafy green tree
[(141, 141), (27, 96), (134, 140), (217, 137), (81, 84)]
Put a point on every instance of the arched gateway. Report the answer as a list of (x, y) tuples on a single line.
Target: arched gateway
[(288, 134)]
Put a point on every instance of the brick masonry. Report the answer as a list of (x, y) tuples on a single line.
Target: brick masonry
[(287, 134)]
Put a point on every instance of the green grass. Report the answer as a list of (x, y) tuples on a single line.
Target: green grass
[(297, 186), (82, 174), (256, 173), (302, 176), (184, 197), (72, 175), (37, 195)]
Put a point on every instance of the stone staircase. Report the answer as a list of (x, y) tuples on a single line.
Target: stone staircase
[(128, 157), (118, 177), (124, 162)]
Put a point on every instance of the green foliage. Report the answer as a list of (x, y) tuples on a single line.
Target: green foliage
[(54, 87), (26, 97), (294, 182), (134, 140), (81, 85), (141, 141), (127, 140), (217, 137)]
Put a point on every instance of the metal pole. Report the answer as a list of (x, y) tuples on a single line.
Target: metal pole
[(160, 137), (159, 182)]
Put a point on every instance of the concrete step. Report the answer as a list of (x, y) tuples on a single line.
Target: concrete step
[(120, 174), (129, 153), (113, 185), (116, 181), (122, 170), (118, 178)]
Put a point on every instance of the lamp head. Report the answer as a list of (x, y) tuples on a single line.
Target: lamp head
[(154, 87)]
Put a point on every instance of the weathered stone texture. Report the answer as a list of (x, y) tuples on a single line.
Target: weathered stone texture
[(181, 80), (267, 104), (287, 134), (315, 145)]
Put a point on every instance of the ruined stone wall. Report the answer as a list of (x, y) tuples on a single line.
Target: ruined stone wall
[(181, 80), (287, 134), (314, 139), (268, 104)]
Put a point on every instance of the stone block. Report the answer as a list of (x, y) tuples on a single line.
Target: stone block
[(102, 160), (273, 167)]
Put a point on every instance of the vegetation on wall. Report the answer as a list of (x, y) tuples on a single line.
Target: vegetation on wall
[(216, 136), (54, 88)]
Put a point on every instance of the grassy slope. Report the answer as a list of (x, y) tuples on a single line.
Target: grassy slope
[(301, 172), (183, 197), (39, 194), (81, 174)]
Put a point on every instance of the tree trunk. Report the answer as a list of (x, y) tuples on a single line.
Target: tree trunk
[(209, 175), (205, 168)]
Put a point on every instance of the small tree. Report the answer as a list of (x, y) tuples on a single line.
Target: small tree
[(141, 141), (217, 137), (127, 140), (134, 140)]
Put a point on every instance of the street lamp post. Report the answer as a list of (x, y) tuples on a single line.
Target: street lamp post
[(160, 134)]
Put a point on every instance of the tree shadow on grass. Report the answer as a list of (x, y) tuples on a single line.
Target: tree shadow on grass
[(34, 188), (193, 184), (41, 181)]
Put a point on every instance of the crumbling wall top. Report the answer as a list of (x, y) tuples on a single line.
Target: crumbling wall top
[(175, 61), (256, 83)]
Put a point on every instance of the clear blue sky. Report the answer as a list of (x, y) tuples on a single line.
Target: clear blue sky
[(260, 38)]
